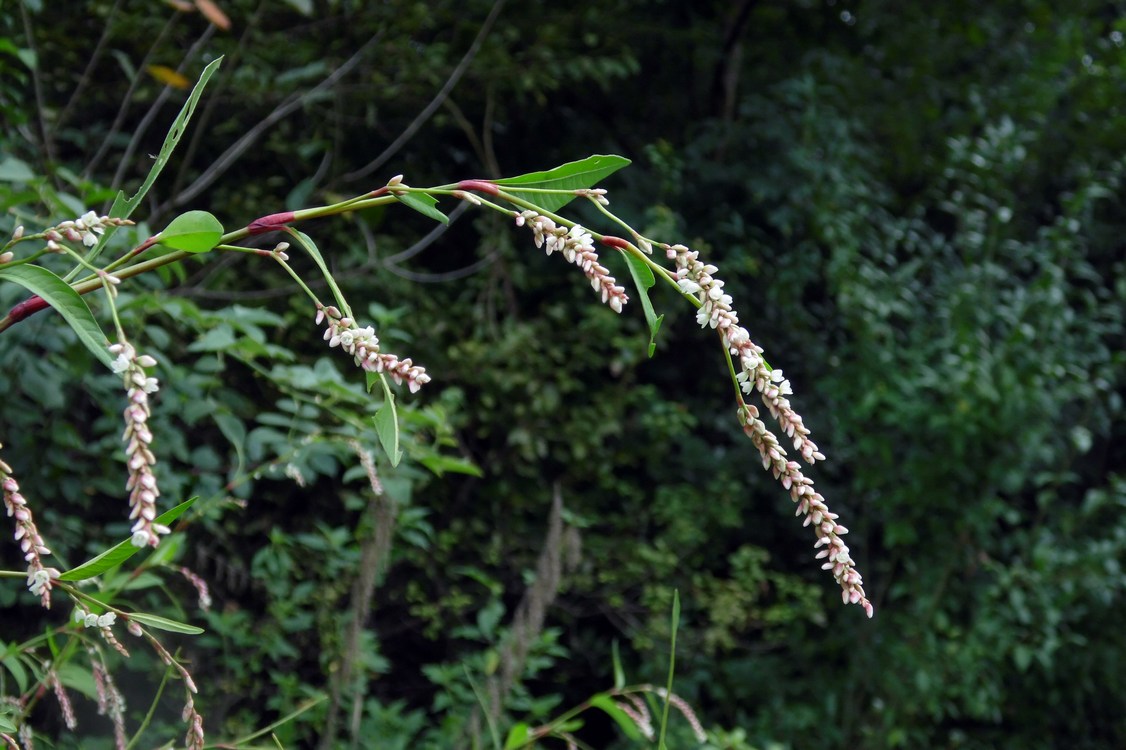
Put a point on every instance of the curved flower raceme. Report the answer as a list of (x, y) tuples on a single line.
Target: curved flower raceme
[(698, 279), (576, 246), (141, 484), (363, 345), (39, 578)]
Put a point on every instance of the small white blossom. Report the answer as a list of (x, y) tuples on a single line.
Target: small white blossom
[(363, 345), (577, 246)]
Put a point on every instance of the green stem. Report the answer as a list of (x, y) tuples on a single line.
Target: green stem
[(152, 709)]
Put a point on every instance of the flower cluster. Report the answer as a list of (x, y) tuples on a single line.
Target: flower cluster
[(698, 279), (84, 229), (141, 484), (201, 588), (363, 345), (104, 624), (577, 246), (39, 578), (111, 702)]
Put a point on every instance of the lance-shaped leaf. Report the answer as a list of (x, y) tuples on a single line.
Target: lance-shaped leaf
[(122, 207), (163, 623), (424, 203), (59, 295), (192, 232), (121, 552), (644, 280), (387, 425), (574, 175), (607, 705)]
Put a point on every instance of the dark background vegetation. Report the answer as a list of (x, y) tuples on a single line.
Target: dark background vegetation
[(918, 208)]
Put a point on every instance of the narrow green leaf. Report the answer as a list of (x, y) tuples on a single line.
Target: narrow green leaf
[(517, 737), (643, 279), (6, 725), (424, 203), (605, 704), (14, 170), (619, 673), (314, 252), (573, 175), (59, 295), (387, 425), (77, 677), (235, 431), (123, 207), (311, 703), (192, 232), (19, 672), (672, 667), (372, 378), (441, 465), (122, 551), (163, 623)]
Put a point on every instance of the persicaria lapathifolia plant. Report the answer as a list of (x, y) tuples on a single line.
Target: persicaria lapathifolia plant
[(532, 200)]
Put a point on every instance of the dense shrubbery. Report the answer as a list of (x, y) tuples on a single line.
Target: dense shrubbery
[(920, 213)]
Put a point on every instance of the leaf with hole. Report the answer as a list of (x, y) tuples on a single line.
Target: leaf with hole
[(192, 232), (123, 207)]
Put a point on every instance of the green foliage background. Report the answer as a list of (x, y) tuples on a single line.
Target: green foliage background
[(919, 210)]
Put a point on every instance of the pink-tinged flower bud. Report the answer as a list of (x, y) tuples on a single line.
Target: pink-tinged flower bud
[(7, 257), (18, 234)]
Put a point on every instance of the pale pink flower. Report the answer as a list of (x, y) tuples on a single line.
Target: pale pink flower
[(577, 246), (39, 577), (698, 280), (363, 345), (141, 484)]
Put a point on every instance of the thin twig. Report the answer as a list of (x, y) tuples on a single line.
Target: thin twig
[(290, 104), (427, 240), (126, 100), (37, 85), (436, 102), (88, 73), (438, 278)]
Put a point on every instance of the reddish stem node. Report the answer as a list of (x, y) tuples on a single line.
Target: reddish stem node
[(618, 242), (479, 185), (27, 308), (271, 223)]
